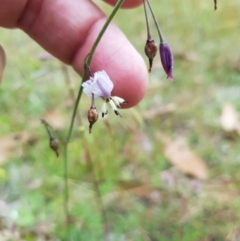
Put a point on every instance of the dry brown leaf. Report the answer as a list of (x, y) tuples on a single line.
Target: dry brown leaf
[(161, 110), (2, 62), (11, 145), (229, 119), (179, 154), (55, 119)]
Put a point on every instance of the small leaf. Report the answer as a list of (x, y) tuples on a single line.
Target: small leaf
[(179, 154), (2, 62)]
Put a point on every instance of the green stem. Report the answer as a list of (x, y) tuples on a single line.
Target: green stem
[(98, 193), (147, 22), (46, 127), (104, 28), (156, 23)]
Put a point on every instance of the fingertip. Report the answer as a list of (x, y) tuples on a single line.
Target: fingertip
[(126, 3), (119, 59)]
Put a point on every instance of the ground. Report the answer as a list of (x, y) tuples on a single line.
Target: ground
[(167, 170)]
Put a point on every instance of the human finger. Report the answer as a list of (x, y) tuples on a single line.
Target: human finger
[(126, 4), (67, 29)]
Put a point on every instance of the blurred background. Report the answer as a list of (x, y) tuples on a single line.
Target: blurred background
[(168, 170)]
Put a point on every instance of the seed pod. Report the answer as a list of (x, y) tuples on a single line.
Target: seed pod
[(92, 117), (150, 50), (54, 144)]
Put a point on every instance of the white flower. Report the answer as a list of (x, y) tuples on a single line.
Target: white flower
[(100, 85)]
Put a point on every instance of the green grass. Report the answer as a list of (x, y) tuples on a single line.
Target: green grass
[(127, 158)]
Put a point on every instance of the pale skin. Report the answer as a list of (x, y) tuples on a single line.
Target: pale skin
[(67, 30)]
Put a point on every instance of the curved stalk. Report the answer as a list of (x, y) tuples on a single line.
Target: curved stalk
[(104, 28), (147, 22), (156, 23)]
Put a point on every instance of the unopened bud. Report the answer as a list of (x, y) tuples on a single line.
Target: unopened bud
[(54, 144), (166, 59), (150, 50), (92, 117)]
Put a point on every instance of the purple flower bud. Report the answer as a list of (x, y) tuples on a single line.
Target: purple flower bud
[(166, 59)]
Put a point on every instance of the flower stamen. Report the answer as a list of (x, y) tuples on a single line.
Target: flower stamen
[(118, 101), (104, 109), (114, 107)]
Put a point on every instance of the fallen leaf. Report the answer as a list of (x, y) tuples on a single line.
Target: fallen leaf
[(179, 154), (229, 119), (55, 119), (2, 62), (11, 145)]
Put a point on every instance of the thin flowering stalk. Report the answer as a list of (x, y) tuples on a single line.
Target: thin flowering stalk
[(92, 104), (104, 28), (87, 67), (150, 46), (149, 36), (47, 129), (165, 51), (53, 142), (156, 23)]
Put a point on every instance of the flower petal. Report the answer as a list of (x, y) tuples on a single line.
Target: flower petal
[(87, 87), (102, 84)]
